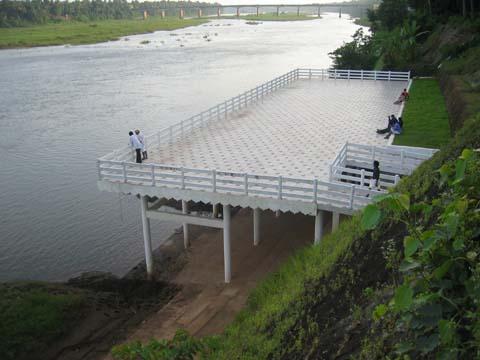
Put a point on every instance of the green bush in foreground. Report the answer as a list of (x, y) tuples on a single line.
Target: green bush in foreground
[(33, 315), (435, 310)]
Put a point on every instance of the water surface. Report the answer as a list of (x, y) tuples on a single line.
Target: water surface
[(62, 107)]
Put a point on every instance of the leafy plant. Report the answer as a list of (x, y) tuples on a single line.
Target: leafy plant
[(436, 308)]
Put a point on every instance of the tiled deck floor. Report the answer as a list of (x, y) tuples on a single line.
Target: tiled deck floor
[(297, 130)]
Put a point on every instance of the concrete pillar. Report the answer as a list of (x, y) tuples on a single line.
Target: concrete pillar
[(335, 220), (147, 238), (226, 242), (298, 10), (277, 213), (258, 10), (181, 14), (318, 227), (199, 13), (162, 14), (238, 12), (278, 10), (218, 12), (186, 241), (215, 210), (256, 226), (318, 14), (340, 13)]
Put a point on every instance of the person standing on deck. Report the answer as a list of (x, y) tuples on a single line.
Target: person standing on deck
[(375, 180), (141, 138), (137, 146)]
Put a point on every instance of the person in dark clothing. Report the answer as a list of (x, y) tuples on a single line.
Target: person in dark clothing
[(391, 122), (375, 180), (137, 146)]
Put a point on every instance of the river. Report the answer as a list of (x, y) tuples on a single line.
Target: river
[(62, 107)]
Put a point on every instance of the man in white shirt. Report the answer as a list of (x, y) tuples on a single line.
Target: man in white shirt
[(141, 138), (135, 144)]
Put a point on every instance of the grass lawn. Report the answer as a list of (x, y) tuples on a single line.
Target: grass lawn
[(272, 17), (425, 117), (33, 315), (87, 32)]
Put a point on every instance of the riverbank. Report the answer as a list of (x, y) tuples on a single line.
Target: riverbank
[(77, 33)]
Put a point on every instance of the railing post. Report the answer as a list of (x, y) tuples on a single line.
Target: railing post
[(352, 193), (315, 190), (153, 174), (397, 179), (335, 74), (246, 183), (361, 74), (280, 181), (389, 75), (348, 74), (182, 172), (214, 180), (362, 177), (375, 75), (310, 74), (124, 166)]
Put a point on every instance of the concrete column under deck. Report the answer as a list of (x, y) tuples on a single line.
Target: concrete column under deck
[(335, 220), (147, 238), (318, 227), (185, 225), (256, 226), (226, 242)]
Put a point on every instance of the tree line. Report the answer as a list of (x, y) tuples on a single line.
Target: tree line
[(396, 28), (23, 13)]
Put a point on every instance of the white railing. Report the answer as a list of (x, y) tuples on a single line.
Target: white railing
[(221, 111), (353, 74), (354, 163), (329, 194)]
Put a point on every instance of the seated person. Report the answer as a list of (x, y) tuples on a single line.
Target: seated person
[(391, 121), (403, 97), (396, 128)]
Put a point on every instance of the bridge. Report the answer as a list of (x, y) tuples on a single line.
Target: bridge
[(256, 9)]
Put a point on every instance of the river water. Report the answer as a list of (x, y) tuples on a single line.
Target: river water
[(62, 107)]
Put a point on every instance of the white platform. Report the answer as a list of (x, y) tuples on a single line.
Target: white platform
[(295, 131)]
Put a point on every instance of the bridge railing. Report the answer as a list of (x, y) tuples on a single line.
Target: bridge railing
[(333, 195)]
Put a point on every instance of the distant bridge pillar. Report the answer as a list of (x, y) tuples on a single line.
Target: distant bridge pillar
[(340, 13), (238, 12), (182, 13), (278, 10), (335, 220), (258, 10), (186, 240), (256, 226), (298, 10), (162, 14), (318, 13), (226, 242), (199, 12), (218, 12)]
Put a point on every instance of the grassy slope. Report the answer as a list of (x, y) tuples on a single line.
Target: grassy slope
[(87, 33), (33, 315), (425, 117)]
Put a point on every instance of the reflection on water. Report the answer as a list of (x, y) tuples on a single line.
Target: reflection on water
[(62, 107)]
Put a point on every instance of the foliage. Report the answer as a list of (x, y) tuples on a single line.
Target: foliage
[(392, 13), (87, 33), (21, 13), (357, 54), (181, 347), (436, 308), (425, 116), (33, 315)]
